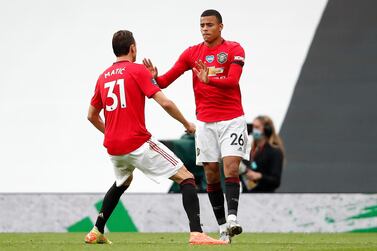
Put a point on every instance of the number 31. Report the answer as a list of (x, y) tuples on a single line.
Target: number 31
[(114, 97)]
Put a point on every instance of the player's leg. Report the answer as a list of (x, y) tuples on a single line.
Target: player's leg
[(233, 144), (216, 195), (191, 205), (189, 197), (160, 162), (109, 203), (208, 155), (232, 192), (123, 169)]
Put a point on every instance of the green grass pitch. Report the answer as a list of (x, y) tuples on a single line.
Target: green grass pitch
[(178, 242)]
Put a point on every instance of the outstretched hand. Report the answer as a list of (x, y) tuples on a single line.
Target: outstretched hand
[(201, 70), (151, 68)]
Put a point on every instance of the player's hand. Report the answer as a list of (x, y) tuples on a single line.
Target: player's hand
[(190, 128), (254, 176), (151, 68), (201, 70)]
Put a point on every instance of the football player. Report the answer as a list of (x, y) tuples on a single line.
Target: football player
[(221, 133), (120, 91)]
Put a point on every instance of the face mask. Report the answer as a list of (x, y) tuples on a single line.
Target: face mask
[(257, 134)]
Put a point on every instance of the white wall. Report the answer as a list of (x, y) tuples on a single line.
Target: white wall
[(51, 53), (310, 213)]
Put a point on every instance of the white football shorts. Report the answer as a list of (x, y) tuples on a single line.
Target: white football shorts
[(217, 140), (153, 158)]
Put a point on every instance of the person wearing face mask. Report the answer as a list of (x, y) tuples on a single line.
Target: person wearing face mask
[(262, 174)]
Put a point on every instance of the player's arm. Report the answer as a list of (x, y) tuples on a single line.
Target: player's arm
[(170, 107), (151, 90), (95, 118), (170, 76), (233, 78), (95, 109), (237, 56)]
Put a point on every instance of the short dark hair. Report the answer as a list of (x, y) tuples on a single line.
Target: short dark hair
[(122, 41), (215, 13)]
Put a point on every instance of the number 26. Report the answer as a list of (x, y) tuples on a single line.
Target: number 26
[(236, 139)]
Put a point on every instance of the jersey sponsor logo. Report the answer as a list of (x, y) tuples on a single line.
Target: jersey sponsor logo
[(210, 58), (213, 71), (239, 58), (222, 57), (115, 71)]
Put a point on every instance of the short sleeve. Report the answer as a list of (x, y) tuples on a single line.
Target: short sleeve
[(238, 55), (146, 82), (96, 100)]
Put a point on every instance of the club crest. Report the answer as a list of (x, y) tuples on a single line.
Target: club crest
[(210, 58), (222, 57)]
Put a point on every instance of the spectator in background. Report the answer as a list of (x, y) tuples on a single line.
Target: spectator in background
[(262, 174)]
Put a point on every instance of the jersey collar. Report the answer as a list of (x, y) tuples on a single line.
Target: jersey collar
[(122, 61), (217, 46)]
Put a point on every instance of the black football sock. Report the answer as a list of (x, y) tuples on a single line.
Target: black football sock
[(191, 204), (110, 201), (232, 193), (216, 197)]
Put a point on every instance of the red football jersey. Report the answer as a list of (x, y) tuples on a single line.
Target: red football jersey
[(220, 99), (121, 91)]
